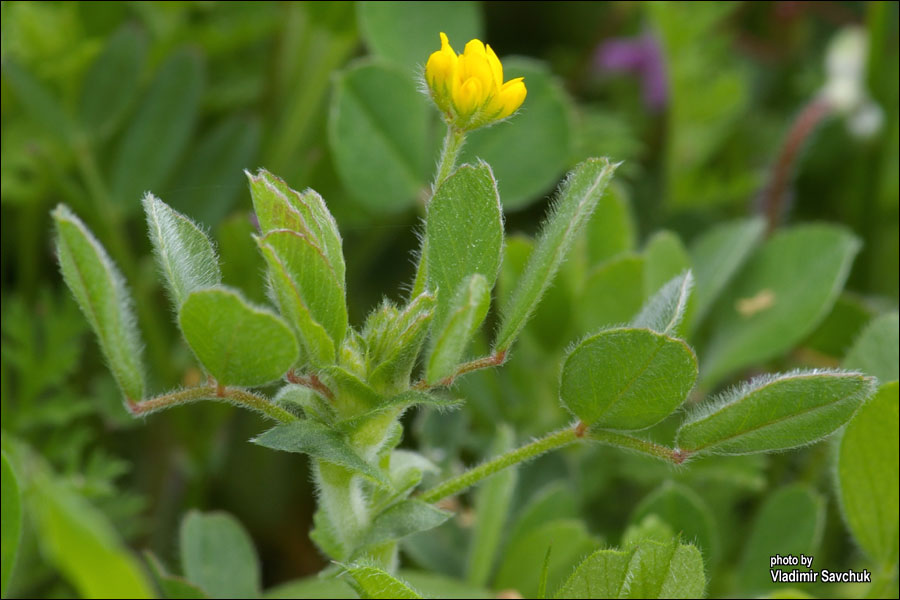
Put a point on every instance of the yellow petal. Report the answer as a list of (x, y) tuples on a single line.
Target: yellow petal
[(475, 48), (438, 69), (512, 95), (477, 67), (445, 44), (468, 97), (496, 66)]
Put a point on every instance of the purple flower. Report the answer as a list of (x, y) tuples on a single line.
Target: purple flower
[(642, 56)]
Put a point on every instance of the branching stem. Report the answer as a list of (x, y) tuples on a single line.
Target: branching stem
[(553, 441), (485, 362), (451, 487), (236, 396), (311, 381)]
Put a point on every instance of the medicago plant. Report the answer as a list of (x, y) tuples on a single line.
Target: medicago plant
[(337, 392)]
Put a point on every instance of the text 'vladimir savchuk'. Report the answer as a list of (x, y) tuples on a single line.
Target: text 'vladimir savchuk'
[(801, 576)]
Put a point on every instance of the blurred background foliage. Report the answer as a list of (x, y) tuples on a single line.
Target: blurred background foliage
[(102, 101)]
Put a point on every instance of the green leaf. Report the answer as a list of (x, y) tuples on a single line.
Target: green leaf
[(315, 342), (554, 501), (627, 378), (406, 470), (650, 527), (377, 132), (100, 291), (209, 179), (685, 512), (39, 102), (171, 586), (391, 354), (838, 331), (521, 564), (463, 234), (611, 229), (467, 311), (402, 519), (867, 475), (278, 206), (774, 412), (664, 258), (529, 152), (238, 343), (399, 403), (577, 198), (111, 83), (311, 587), (82, 543), (351, 389), (241, 261), (302, 401), (432, 585), (309, 291), (600, 575), (664, 570), (716, 257), (492, 505), (11, 513), (790, 522), (516, 250), (184, 252), (784, 291), (153, 144), (218, 555), (406, 33), (319, 441), (613, 293), (875, 351), (372, 582), (665, 310)]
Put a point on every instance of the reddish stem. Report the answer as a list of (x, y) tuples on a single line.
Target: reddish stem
[(773, 197), (311, 381), (494, 360)]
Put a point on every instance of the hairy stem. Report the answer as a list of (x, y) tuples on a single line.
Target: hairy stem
[(311, 381), (485, 362), (343, 502), (627, 442), (553, 441), (453, 143), (236, 396)]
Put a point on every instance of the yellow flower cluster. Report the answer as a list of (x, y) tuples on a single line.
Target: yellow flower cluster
[(469, 87)]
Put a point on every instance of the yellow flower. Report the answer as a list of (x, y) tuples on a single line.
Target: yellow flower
[(469, 88)]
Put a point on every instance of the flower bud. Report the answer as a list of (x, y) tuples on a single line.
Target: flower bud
[(469, 88)]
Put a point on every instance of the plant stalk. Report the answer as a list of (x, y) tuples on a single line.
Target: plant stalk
[(235, 396), (451, 487), (553, 441), (626, 442), (453, 143)]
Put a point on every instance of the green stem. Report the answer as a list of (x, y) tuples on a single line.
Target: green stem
[(235, 396), (453, 143), (626, 442), (344, 504), (493, 360), (557, 439)]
